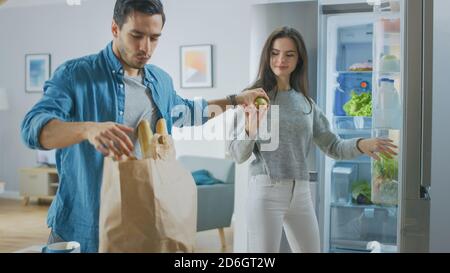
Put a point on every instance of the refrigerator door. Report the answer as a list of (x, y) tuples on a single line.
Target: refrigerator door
[(402, 93), (417, 80)]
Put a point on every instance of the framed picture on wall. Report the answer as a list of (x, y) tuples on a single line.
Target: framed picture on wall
[(37, 71), (196, 66)]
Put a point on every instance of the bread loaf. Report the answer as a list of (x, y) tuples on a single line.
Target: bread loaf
[(145, 136), (161, 128)]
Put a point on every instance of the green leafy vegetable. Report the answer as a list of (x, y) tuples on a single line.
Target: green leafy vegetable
[(385, 173), (359, 105), (386, 168), (361, 192)]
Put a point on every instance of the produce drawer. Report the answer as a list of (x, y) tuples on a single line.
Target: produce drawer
[(362, 224)]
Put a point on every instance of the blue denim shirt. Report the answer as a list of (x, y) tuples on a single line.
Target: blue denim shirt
[(91, 89)]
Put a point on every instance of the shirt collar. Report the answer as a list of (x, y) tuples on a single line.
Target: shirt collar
[(112, 59)]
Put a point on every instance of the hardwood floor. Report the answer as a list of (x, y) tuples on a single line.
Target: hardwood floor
[(25, 226), (22, 226)]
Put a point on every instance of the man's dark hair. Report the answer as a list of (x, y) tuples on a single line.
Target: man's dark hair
[(124, 8)]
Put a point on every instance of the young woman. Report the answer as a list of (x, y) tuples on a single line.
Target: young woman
[(279, 194)]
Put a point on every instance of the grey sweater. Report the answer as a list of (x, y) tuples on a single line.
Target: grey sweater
[(299, 125)]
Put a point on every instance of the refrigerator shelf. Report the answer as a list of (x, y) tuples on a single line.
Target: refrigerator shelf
[(354, 72), (383, 73), (360, 160), (354, 132), (347, 250), (392, 33), (351, 205), (352, 246), (390, 15), (348, 123), (347, 245)]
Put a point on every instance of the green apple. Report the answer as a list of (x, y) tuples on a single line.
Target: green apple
[(260, 101)]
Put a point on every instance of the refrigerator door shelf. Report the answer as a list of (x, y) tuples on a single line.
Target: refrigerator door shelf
[(359, 160), (390, 64), (352, 123), (385, 172)]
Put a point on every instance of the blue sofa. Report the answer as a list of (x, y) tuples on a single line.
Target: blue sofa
[(215, 202)]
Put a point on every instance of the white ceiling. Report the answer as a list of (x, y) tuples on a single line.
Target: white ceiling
[(30, 3)]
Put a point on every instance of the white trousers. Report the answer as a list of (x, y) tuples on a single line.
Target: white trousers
[(283, 204)]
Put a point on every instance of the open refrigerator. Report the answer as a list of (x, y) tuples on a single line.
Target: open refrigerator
[(374, 80)]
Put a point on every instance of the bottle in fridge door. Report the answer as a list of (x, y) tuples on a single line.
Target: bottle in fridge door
[(387, 112)]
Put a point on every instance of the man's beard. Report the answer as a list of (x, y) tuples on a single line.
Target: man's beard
[(125, 59)]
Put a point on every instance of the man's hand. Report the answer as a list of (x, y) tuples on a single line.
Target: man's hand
[(248, 97), (372, 146), (110, 138)]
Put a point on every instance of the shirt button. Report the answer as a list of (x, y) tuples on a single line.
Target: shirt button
[(120, 71), (121, 85), (114, 71), (121, 113)]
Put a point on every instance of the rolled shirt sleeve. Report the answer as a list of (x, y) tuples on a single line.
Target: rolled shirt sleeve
[(56, 103), (186, 112)]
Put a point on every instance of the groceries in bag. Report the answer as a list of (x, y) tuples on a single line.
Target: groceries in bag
[(148, 204)]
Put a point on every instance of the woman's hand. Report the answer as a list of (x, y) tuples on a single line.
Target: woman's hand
[(253, 119), (248, 97), (371, 146)]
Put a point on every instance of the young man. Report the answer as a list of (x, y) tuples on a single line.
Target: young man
[(89, 110)]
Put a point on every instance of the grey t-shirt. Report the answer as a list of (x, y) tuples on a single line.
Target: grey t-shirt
[(138, 106), (299, 125)]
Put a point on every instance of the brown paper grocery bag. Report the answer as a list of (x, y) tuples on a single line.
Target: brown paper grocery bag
[(148, 205)]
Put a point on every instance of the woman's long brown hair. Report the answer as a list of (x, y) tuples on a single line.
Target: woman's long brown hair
[(299, 77)]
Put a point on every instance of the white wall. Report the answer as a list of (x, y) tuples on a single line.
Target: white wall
[(69, 32), (440, 182), (301, 15), (64, 32), (226, 25)]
